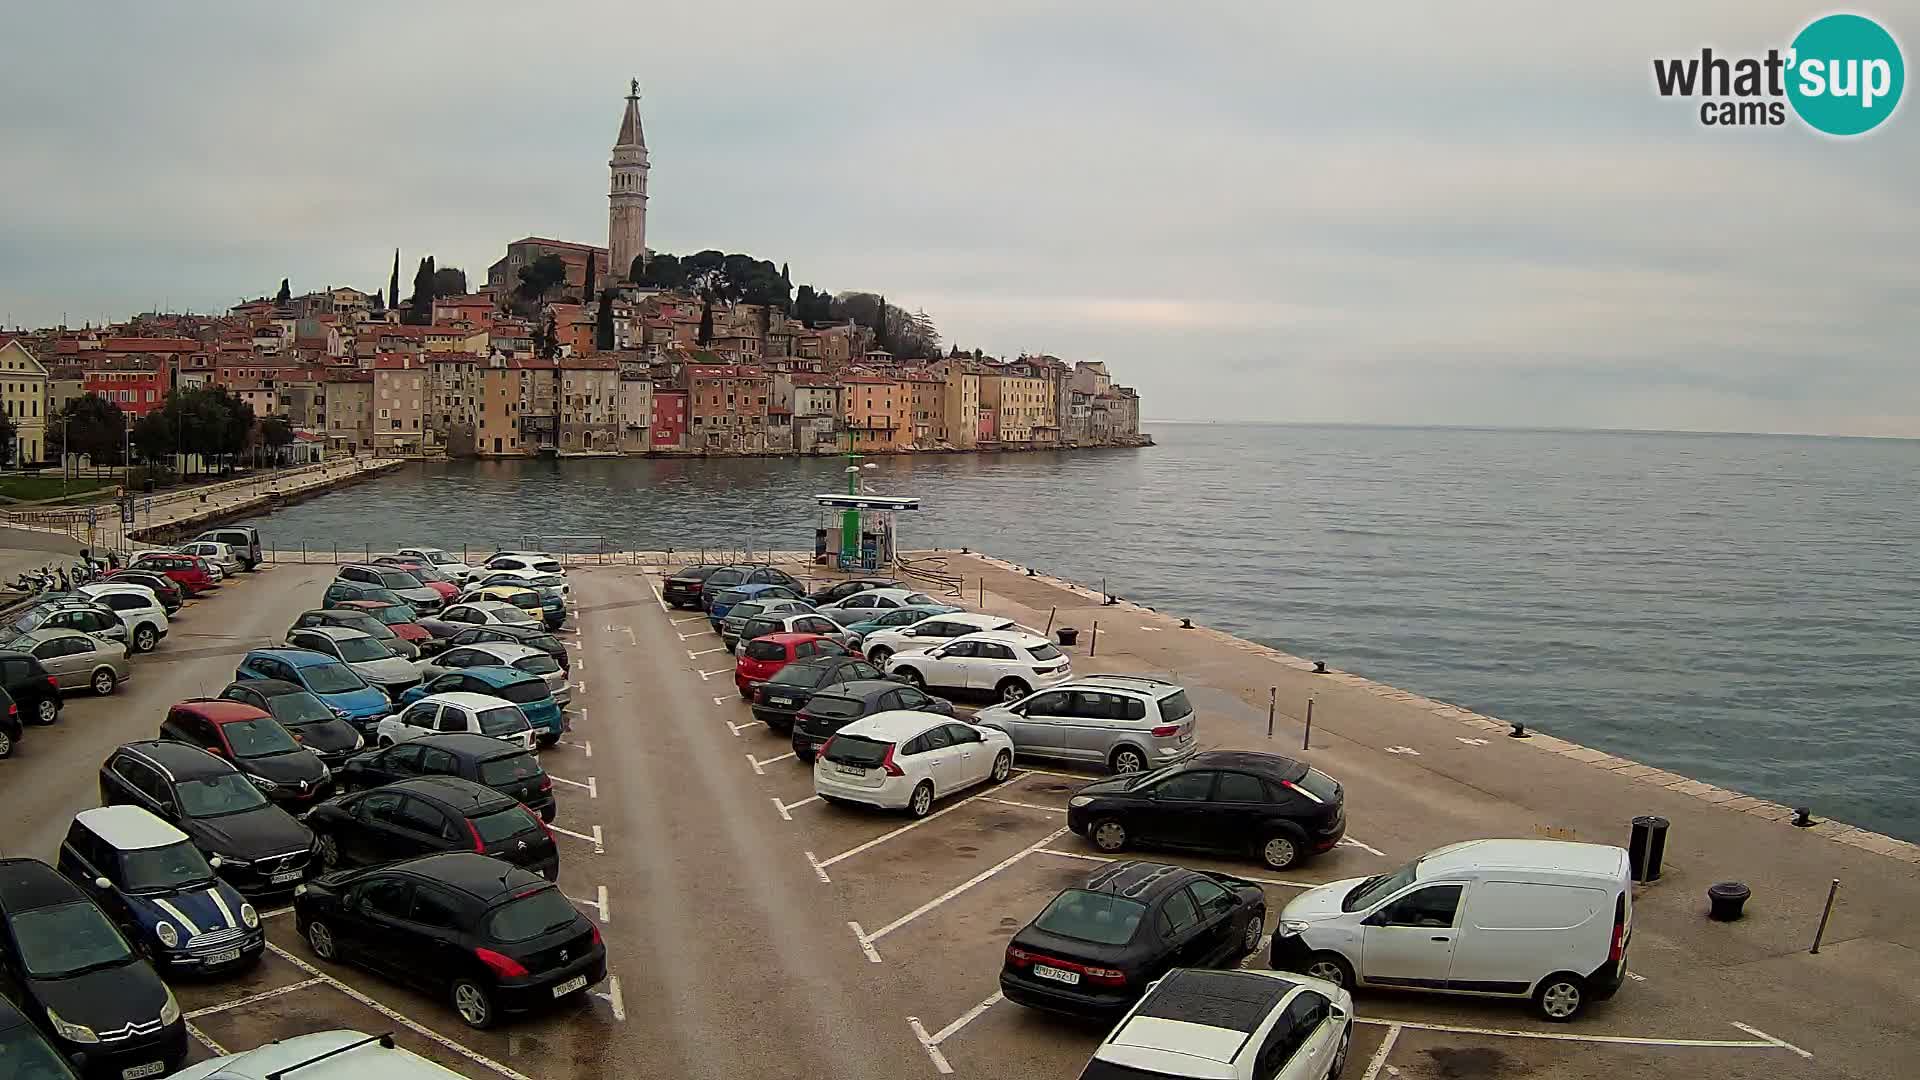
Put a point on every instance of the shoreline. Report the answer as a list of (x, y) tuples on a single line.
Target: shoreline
[(605, 455)]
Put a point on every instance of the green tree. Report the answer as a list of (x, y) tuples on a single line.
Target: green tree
[(586, 289), (89, 425), (420, 304), (550, 339), (603, 323), (447, 281), (539, 277), (803, 303), (393, 283), (284, 295), (276, 434), (9, 439)]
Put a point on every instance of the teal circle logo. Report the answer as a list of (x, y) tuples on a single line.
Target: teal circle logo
[(1845, 74)]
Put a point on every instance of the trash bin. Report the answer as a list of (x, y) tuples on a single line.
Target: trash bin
[(1647, 847), (1726, 900), (1068, 635)]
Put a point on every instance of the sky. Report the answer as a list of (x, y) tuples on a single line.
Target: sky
[(1408, 213)]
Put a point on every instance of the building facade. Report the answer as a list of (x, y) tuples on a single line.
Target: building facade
[(728, 407), (399, 404), (589, 404), (636, 413), (24, 396), (879, 414), (669, 427)]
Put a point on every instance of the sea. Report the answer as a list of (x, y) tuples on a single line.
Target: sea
[(1742, 609)]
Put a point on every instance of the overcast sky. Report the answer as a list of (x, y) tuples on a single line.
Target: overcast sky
[(1470, 213)]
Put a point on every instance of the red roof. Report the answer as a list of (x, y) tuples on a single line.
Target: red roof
[(724, 371), (149, 344), (393, 363), (589, 363)]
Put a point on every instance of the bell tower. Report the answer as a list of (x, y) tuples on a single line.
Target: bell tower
[(627, 193)]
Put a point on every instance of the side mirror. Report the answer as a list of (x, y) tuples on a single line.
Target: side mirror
[(1378, 918), (214, 861), (101, 882)]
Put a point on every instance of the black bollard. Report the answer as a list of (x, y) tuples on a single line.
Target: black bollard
[(1726, 900), (1319, 667), (1647, 847), (1186, 624), (1803, 818), (1519, 731)]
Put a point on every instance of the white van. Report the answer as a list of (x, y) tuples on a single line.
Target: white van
[(1545, 919)]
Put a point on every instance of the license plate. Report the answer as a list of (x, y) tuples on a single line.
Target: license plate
[(568, 987), (151, 1068), (227, 957), (1071, 978), (850, 770), (785, 701), (285, 876)]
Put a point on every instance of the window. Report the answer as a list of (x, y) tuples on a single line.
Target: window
[(1433, 907), (379, 806), (1185, 787), (385, 896), (1177, 915), (1239, 788), (420, 817)]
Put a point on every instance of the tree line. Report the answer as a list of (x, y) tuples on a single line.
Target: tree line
[(206, 423)]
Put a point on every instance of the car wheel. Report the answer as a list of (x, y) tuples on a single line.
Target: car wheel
[(1560, 997), (47, 711), (1279, 850), (1340, 1056), (1330, 967), (329, 852), (1127, 759), (6, 745), (920, 803), (878, 655), (104, 682), (320, 940), (144, 639), (473, 1002), (1012, 690), (1002, 766), (1256, 929), (912, 677), (1108, 835)]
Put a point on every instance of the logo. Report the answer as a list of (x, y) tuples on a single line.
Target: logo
[(563, 954), (1841, 75)]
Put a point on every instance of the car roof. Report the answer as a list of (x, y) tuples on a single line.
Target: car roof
[(861, 690), (334, 633), (895, 724), (129, 828), (466, 742), (507, 650), (1138, 880), (1140, 684), (485, 604), (380, 1060), (109, 587), (357, 604), (26, 884), (460, 794), (467, 699), (297, 657), (498, 675), (974, 618), (790, 638), (476, 875), (44, 634), (1277, 766), (758, 587), (220, 710), (1198, 1013), (891, 592), (1019, 639), (1565, 856), (270, 687), (180, 761)]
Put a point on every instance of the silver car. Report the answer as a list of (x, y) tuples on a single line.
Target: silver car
[(418, 595), (77, 661), (218, 555), (1125, 723), (77, 612), (738, 614), (503, 654), (362, 652)]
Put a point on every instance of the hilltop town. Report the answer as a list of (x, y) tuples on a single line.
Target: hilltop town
[(573, 349)]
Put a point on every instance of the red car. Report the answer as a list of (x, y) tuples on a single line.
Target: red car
[(763, 657), (393, 615), (187, 571), (429, 575), (255, 743)]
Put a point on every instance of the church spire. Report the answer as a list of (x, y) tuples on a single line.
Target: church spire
[(630, 130), (627, 192)]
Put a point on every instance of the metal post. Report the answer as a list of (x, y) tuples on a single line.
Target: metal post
[(1093, 647), (983, 593), (1051, 612), (1306, 741), (1273, 695), (1822, 931)]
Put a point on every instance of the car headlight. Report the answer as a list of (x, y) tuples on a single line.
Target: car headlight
[(79, 1033), (170, 1012), (263, 783), (326, 772), (249, 916), (1295, 926), (359, 741), (232, 860), (168, 936), (1080, 800)]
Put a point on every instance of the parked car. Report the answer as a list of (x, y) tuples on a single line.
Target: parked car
[(221, 556), (11, 729), (777, 700), (839, 704), (1549, 920), (411, 590), (243, 539), (76, 661), (402, 620), (492, 939), (537, 562), (722, 602), (683, 587), (532, 636), (1008, 664), (262, 849), (442, 560), (1123, 723), (526, 691), (864, 605), (734, 576), (340, 590), (256, 744), (491, 613), (79, 979), (341, 1054), (840, 590), (530, 579), (77, 613), (743, 610), (503, 654), (1249, 1025), (26, 1051), (183, 570), (352, 618), (763, 658), (506, 767), (157, 887), (804, 622), (333, 682), (899, 618), (932, 632), (1093, 949), (360, 651), (462, 711), (426, 815), (171, 596), (906, 760), (309, 720), (31, 689), (434, 578), (1236, 802), (137, 606)]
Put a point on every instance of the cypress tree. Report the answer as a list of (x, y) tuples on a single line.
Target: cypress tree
[(285, 293), (393, 283), (586, 291), (603, 323)]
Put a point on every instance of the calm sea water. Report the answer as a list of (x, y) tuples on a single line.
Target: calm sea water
[(1740, 609)]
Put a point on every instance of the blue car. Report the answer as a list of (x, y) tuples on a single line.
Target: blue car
[(334, 683), (150, 879), (726, 598), (509, 684), (893, 618)]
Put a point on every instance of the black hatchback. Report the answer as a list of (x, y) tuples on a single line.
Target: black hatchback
[(490, 937), (776, 701), (1237, 802), (79, 979), (428, 815), (503, 766), (683, 588), (834, 707)]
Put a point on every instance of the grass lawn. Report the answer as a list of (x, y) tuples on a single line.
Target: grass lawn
[(30, 488)]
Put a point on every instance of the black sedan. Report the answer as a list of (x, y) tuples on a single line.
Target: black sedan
[(491, 938), (834, 707), (428, 815), (1094, 949), (533, 637), (840, 590), (682, 590), (80, 981), (1242, 803), (776, 701), (489, 762), (305, 717)]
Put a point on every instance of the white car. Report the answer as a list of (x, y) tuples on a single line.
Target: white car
[(503, 654), (902, 759), (862, 606), (138, 607), (931, 631), (537, 561), (1231, 1025), (362, 652), (441, 560), (474, 714), (488, 613), (532, 579), (1008, 664), (217, 555), (322, 1055)]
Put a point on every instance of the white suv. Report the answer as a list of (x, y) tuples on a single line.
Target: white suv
[(931, 631), (138, 607), (442, 561), (1124, 723), (1230, 1025), (323, 1055), (1009, 664)]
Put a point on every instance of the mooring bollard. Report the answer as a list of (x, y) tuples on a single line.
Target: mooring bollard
[(1825, 914), (1728, 898), (1068, 635), (1186, 624), (1319, 667), (1803, 818), (1519, 731)]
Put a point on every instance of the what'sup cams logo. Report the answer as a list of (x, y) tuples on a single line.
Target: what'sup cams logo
[(1842, 75)]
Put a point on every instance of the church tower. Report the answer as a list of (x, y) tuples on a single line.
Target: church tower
[(627, 197)]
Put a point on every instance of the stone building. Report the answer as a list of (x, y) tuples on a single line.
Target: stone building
[(627, 189), (589, 403)]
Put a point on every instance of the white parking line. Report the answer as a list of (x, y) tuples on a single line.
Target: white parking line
[(599, 846), (719, 701), (1348, 841), (757, 763), (705, 675), (1027, 805), (868, 939), (688, 619), (1243, 877), (818, 870), (592, 785), (1782, 1043), (866, 943), (661, 600), (203, 1039), (691, 655), (884, 837), (599, 905), (1763, 1042), (782, 808), (1379, 1058), (931, 1043), (242, 1002), (613, 998), (738, 728), (275, 913), (582, 744)]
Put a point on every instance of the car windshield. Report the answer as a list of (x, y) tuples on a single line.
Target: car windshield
[(355, 650), (66, 939), (394, 614), (503, 824), (503, 721), (258, 738), (745, 609), (760, 628), (399, 579), (730, 597), (298, 708), (919, 598), (1141, 779), (1091, 916), (369, 626), (523, 693), (164, 869), (214, 796), (834, 707), (507, 770), (695, 573), (552, 581), (24, 1055), (513, 616), (546, 643), (1174, 707), (436, 556), (766, 650), (1045, 651), (537, 665), (530, 915), (1380, 886)]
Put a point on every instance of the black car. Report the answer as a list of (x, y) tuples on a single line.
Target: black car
[(428, 815), (255, 743), (777, 700), (25, 1052), (1272, 808), (262, 849), (356, 619), (30, 687), (164, 588), (840, 590), (305, 717), (502, 766), (491, 937), (10, 727), (1094, 949), (532, 637), (727, 577), (683, 589), (835, 706), (73, 973)]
